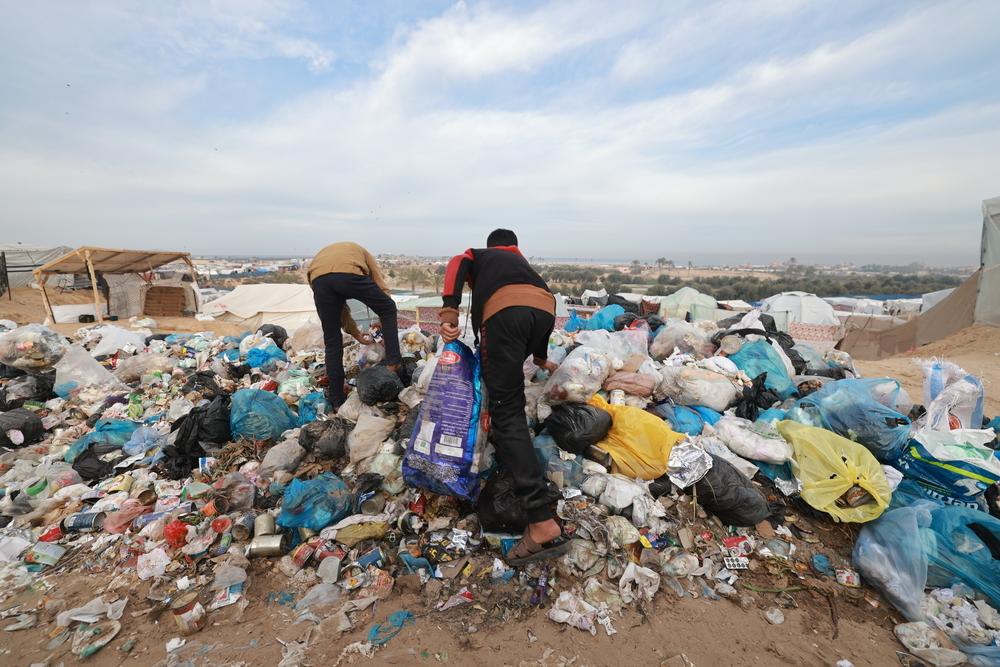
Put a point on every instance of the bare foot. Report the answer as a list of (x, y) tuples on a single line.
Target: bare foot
[(544, 531)]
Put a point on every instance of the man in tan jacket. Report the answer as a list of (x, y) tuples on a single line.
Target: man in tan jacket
[(339, 272)]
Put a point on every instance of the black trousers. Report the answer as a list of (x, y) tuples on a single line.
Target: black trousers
[(506, 340), (330, 293)]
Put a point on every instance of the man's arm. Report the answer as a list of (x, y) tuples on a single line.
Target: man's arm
[(455, 277), (348, 323), (375, 272)]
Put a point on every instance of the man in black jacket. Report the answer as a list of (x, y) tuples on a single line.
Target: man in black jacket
[(513, 313)]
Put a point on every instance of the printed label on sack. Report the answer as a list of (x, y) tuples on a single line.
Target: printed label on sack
[(449, 358), (424, 437), (451, 446)]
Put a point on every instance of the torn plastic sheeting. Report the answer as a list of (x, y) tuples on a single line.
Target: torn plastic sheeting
[(381, 633), (575, 612), (638, 583), (92, 612)]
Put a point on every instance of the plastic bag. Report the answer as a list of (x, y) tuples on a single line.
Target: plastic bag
[(32, 348), (378, 384), (889, 554), (574, 323), (366, 438), (638, 583), (730, 496), (754, 398), (265, 355), (604, 318), (688, 463), (579, 377), (681, 418), (848, 408), (500, 508), (829, 466), (576, 427), (20, 427), (680, 335), (142, 440), (955, 467), (754, 441), (259, 415), (714, 446), (25, 388), (307, 337), (114, 432), (78, 369), (327, 438), (276, 333), (284, 456), (113, 339), (634, 384), (954, 398), (758, 357), (687, 385), (447, 451), (315, 503), (131, 369), (561, 467), (639, 443), (311, 406), (619, 345)]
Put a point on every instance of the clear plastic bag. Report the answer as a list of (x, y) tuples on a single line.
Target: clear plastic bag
[(307, 337), (78, 369), (32, 348), (680, 335), (112, 339), (131, 369), (579, 377), (619, 345), (954, 398), (560, 467)]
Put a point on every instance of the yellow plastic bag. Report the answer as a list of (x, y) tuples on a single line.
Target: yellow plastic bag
[(829, 465), (639, 442)]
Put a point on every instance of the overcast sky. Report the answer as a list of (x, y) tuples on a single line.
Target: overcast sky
[(707, 131)]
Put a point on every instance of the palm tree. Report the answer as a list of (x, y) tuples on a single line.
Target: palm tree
[(414, 275), (660, 261)]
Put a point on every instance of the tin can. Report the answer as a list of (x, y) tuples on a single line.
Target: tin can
[(300, 555), (373, 557), (52, 534), (848, 578), (264, 525), (617, 397), (84, 522), (306, 534), (188, 613), (144, 493), (141, 522), (222, 546), (373, 504), (215, 506), (120, 483), (267, 545), (243, 527)]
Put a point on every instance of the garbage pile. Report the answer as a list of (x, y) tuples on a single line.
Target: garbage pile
[(684, 459)]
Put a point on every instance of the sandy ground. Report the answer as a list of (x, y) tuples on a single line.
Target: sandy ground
[(976, 349)]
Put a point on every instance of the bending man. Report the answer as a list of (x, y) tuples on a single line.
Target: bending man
[(513, 313), (339, 272)]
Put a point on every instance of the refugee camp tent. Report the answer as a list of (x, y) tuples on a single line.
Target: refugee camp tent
[(289, 306), (976, 301), (683, 301), (22, 260), (801, 307), (931, 299), (134, 289)]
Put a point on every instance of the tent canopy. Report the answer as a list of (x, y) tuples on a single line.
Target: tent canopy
[(110, 260), (801, 307), (22, 260), (683, 300)]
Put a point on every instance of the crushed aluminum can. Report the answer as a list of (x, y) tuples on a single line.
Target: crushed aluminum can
[(737, 546), (84, 522), (52, 534), (373, 557), (215, 506)]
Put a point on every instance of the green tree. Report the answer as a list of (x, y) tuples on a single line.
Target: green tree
[(414, 275)]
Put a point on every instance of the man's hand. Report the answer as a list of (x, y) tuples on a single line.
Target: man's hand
[(449, 332), (364, 339), (550, 366)]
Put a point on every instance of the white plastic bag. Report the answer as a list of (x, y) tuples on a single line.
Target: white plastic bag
[(309, 336), (758, 442), (113, 339), (78, 369), (684, 336), (688, 385), (638, 583), (286, 456), (619, 345), (367, 436), (579, 377)]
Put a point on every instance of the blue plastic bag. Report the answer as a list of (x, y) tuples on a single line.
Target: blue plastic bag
[(562, 471), (261, 356), (315, 503), (772, 415), (259, 415), (143, 438), (574, 323), (708, 415), (445, 453), (953, 482), (759, 357), (605, 318), (311, 406), (848, 408), (232, 355), (106, 432), (681, 418), (175, 338)]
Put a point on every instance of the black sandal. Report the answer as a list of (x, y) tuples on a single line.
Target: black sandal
[(532, 551)]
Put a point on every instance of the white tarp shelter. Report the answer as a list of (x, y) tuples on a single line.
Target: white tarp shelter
[(289, 306), (801, 307), (22, 260), (681, 302), (931, 299)]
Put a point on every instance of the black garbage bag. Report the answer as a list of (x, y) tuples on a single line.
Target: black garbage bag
[(730, 496), (624, 320), (405, 429), (575, 426), (89, 464), (26, 388), (328, 439), (7, 372), (629, 307), (205, 423), (22, 421), (204, 383), (654, 321), (406, 370), (755, 399), (378, 385), (500, 508), (275, 333)]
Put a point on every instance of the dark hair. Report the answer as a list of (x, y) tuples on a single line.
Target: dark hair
[(500, 237)]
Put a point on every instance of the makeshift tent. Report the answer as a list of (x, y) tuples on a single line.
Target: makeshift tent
[(801, 307), (683, 301), (22, 260), (132, 285), (289, 306), (976, 301), (931, 299)]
